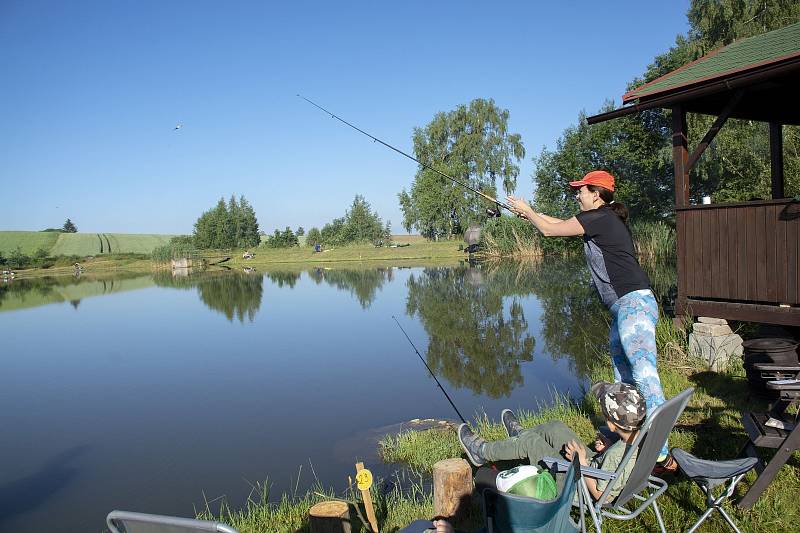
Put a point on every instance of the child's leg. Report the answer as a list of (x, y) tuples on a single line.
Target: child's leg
[(532, 444)]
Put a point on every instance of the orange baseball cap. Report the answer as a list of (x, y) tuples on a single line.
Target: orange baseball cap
[(595, 177)]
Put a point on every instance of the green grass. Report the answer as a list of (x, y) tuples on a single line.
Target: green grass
[(394, 509), (81, 244), (28, 241)]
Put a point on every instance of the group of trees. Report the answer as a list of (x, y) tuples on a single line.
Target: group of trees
[(68, 227), (231, 225), (359, 224), (283, 239), (234, 225)]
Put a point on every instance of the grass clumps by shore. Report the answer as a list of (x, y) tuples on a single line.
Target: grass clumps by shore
[(394, 508)]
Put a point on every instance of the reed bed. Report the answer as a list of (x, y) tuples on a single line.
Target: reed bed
[(510, 237), (654, 240)]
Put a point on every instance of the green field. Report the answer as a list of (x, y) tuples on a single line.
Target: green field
[(79, 243), (27, 241)]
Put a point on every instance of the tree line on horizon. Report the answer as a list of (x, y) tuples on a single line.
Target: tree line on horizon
[(234, 225)]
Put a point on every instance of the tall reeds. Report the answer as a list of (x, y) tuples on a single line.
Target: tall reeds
[(509, 237), (654, 240)]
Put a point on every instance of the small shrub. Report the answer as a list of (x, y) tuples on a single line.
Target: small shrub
[(17, 259)]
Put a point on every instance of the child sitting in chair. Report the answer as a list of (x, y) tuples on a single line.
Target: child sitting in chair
[(622, 406)]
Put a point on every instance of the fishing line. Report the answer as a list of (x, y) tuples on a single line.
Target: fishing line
[(387, 145), (429, 370)]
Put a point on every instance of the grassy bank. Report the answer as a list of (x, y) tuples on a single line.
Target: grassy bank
[(64, 266), (710, 428), (417, 249)]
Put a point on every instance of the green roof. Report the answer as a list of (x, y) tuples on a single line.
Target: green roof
[(736, 57)]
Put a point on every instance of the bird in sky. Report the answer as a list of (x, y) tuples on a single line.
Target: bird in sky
[(178, 126)]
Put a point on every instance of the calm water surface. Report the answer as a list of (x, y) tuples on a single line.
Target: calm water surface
[(154, 393)]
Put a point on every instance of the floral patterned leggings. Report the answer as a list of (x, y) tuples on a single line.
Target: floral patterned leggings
[(632, 341)]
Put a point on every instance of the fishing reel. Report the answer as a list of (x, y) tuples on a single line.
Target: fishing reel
[(493, 212)]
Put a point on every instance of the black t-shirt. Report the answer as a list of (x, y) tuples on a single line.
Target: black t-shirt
[(610, 254)]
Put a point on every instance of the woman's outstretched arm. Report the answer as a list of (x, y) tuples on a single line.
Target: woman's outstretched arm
[(549, 226)]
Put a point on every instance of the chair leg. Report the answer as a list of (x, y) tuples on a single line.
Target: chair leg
[(728, 519), (658, 517), (702, 519)]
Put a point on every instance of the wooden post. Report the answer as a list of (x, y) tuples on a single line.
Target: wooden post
[(373, 521), (776, 158), (680, 155), (329, 517), (452, 488)]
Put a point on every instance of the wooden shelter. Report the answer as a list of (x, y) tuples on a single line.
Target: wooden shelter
[(737, 261)]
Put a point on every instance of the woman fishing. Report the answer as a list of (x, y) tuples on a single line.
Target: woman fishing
[(620, 282)]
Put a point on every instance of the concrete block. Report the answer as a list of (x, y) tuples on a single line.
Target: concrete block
[(716, 351), (710, 320), (713, 330)]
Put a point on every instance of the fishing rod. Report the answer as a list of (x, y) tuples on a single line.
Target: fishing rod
[(431, 371), (387, 145)]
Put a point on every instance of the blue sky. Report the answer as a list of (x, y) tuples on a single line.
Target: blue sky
[(91, 92)]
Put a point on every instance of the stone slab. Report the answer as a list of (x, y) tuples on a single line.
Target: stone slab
[(713, 330), (711, 320), (716, 351)]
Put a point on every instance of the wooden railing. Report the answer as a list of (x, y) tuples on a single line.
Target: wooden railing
[(745, 252)]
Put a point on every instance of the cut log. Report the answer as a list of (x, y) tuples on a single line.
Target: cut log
[(329, 517), (452, 489)]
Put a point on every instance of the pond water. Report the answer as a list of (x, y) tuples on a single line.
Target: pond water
[(157, 393)]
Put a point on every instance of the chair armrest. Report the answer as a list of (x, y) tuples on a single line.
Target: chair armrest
[(561, 465)]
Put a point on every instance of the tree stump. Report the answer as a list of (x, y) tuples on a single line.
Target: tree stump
[(329, 517), (452, 488)]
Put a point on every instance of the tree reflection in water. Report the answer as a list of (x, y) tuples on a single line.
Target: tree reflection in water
[(232, 294), (473, 342), (284, 278), (363, 284)]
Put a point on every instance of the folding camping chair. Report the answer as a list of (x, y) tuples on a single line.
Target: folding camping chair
[(127, 522), (508, 513), (641, 485)]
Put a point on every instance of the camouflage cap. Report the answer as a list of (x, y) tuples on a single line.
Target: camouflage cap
[(621, 403)]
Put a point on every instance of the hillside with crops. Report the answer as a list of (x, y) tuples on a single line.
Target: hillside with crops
[(57, 244)]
